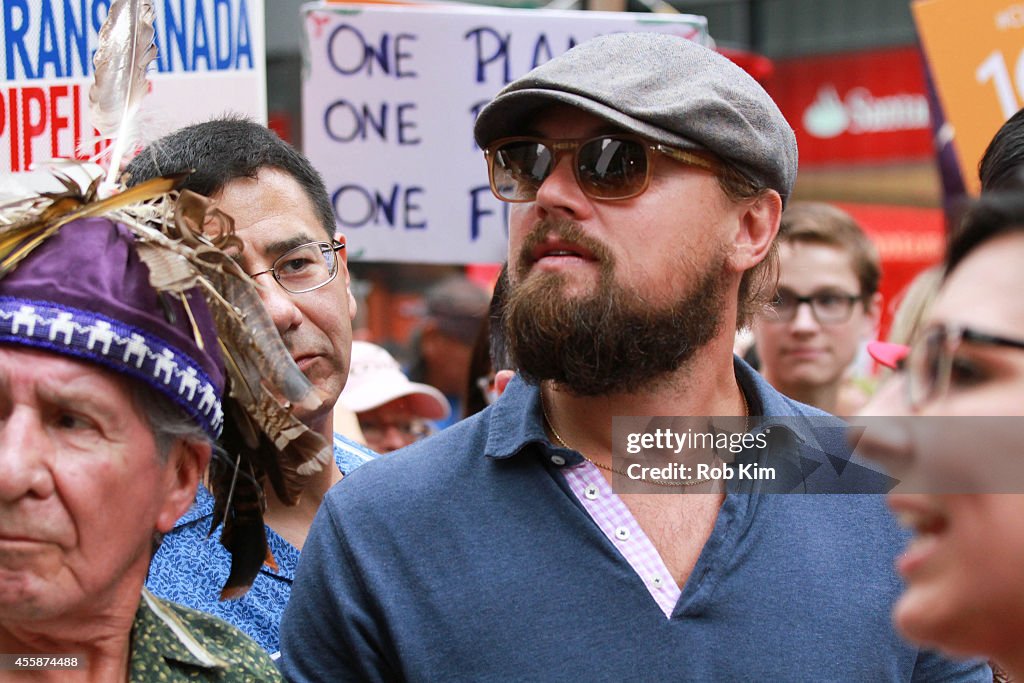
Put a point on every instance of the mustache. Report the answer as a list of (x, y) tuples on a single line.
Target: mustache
[(566, 230)]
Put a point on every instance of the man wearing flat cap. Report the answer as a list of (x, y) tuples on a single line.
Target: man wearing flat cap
[(647, 176), (110, 398)]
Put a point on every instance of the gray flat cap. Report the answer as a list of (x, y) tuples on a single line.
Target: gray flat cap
[(663, 87)]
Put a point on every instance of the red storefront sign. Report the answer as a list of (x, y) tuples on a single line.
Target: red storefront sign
[(909, 239), (861, 107)]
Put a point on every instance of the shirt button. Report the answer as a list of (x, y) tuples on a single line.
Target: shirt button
[(591, 492), (622, 533), (558, 460), (657, 581)]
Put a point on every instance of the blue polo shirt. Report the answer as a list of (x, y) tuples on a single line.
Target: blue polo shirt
[(191, 566), (465, 557)]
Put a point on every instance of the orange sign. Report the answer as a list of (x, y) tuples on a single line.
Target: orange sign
[(976, 53)]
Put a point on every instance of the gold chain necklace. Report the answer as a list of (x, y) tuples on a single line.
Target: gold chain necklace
[(659, 482)]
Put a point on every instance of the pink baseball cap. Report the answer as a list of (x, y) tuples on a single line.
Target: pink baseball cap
[(375, 378)]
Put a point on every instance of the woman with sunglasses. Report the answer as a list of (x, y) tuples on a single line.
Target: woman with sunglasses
[(964, 567)]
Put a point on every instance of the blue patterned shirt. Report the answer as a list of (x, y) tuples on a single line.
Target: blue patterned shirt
[(190, 568)]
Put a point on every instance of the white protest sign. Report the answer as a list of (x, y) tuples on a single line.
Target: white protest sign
[(210, 60), (389, 100)]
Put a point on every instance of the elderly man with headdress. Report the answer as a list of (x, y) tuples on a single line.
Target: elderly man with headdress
[(116, 319)]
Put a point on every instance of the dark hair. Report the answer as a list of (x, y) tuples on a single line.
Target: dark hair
[(1002, 165), (490, 350), (225, 149), (757, 284), (500, 356), (993, 215)]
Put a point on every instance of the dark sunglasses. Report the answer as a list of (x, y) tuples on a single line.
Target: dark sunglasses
[(606, 166)]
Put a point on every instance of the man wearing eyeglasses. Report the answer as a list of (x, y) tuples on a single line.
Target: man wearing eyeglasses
[(283, 216), (826, 304), (646, 176)]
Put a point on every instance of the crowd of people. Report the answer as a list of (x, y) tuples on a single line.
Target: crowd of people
[(183, 498)]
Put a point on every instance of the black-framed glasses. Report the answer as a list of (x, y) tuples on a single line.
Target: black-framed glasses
[(828, 308), (306, 267), (606, 166), (932, 361)]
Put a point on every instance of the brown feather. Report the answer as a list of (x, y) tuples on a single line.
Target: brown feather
[(251, 329), (125, 48), (243, 533), (19, 240)]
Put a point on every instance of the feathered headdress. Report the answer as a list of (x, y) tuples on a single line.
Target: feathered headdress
[(188, 248)]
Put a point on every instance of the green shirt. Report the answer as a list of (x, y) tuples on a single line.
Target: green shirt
[(175, 643)]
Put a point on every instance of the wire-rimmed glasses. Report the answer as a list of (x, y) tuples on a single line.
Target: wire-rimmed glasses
[(306, 267)]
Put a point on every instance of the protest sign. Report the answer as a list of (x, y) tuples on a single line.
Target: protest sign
[(389, 98), (210, 60), (975, 51)]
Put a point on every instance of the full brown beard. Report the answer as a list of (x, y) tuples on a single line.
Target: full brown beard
[(610, 340)]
